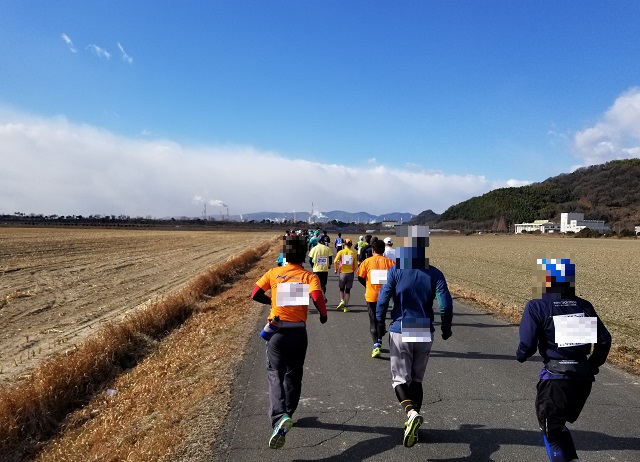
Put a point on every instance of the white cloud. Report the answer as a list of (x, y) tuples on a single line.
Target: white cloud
[(69, 43), (100, 52), (517, 183), (125, 57), (62, 168), (615, 136)]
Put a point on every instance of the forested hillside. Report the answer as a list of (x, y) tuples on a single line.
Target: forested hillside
[(609, 192)]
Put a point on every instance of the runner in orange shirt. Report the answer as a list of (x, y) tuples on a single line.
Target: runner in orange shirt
[(291, 286), (372, 273)]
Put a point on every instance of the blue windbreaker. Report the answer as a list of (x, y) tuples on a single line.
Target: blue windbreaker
[(537, 332), (413, 292)]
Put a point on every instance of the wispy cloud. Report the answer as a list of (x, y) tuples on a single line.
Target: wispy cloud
[(69, 43), (87, 170), (125, 57), (100, 52), (616, 135)]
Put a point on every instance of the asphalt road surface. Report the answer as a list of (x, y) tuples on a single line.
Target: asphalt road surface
[(478, 400)]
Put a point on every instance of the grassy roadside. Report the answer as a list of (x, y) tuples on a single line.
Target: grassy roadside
[(71, 395)]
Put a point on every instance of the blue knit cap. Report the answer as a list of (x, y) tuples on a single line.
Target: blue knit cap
[(561, 269)]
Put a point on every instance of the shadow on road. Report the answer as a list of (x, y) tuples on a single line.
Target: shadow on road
[(482, 442)]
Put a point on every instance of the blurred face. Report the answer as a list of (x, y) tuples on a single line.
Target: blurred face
[(412, 250), (553, 275)]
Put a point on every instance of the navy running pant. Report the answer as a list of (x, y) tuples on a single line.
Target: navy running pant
[(376, 328), (559, 402), (286, 352)]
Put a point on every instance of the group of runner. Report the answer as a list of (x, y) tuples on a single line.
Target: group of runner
[(561, 326)]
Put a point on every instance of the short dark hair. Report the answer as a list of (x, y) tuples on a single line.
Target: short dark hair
[(378, 247), (294, 248)]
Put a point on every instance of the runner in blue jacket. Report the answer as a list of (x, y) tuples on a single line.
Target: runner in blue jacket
[(562, 327), (413, 285)]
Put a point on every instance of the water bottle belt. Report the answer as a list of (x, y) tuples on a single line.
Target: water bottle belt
[(288, 324)]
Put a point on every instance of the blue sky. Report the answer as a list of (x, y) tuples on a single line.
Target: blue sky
[(153, 108)]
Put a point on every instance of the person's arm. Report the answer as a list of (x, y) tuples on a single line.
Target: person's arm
[(318, 300), (529, 331), (445, 303), (601, 347), (260, 296), (384, 296)]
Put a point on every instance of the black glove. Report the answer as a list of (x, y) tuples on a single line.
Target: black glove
[(446, 334), (521, 359), (323, 319)]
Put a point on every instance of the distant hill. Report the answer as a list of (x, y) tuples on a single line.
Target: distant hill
[(609, 192), (428, 217)]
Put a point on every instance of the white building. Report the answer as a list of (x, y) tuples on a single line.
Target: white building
[(389, 223), (575, 222), (544, 226)]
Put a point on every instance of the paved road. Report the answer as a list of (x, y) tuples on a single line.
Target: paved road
[(478, 403)]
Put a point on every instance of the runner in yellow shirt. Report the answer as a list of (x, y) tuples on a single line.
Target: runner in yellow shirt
[(346, 266), (322, 257)]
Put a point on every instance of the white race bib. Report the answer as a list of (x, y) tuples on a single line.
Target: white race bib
[(416, 330), (292, 294), (322, 261), (575, 329), (378, 276), (347, 259)]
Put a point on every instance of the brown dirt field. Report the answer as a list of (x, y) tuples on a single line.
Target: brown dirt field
[(497, 271), (57, 286)]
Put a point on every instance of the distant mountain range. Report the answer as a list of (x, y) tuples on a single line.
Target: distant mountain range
[(325, 217)]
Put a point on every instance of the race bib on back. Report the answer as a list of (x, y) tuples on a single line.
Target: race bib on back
[(292, 294), (347, 259), (575, 329), (322, 261), (416, 330), (378, 276)]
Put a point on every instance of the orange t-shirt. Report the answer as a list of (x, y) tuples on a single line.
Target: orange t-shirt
[(290, 273), (375, 263)]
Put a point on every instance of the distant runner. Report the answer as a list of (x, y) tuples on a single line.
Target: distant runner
[(346, 266)]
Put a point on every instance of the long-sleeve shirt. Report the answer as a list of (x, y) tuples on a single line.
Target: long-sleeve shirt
[(413, 292), (537, 331)]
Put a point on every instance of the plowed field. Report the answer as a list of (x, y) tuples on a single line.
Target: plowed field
[(58, 285)]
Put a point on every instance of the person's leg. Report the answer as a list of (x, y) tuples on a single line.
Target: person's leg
[(348, 284), (416, 394), (285, 364), (323, 276), (276, 368), (341, 285), (373, 323), (559, 401), (297, 346), (401, 358)]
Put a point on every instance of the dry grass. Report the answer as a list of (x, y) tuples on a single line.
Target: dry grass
[(33, 411)]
